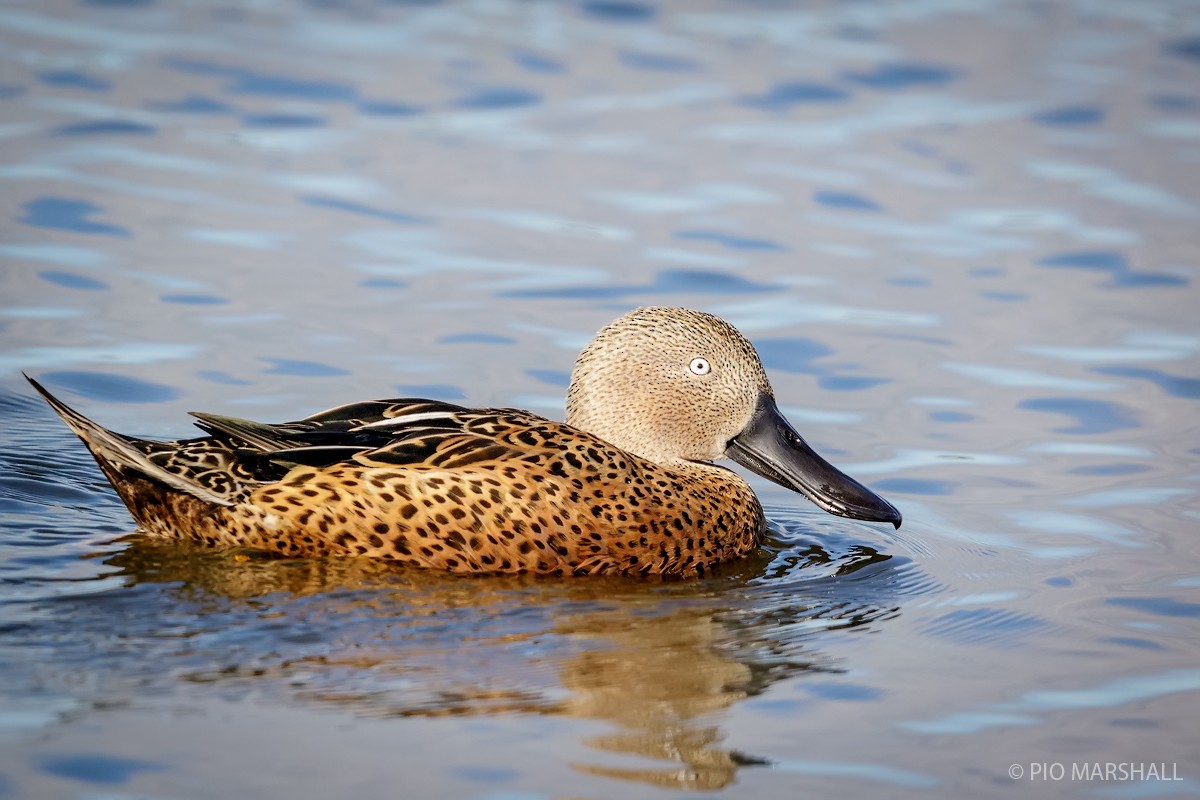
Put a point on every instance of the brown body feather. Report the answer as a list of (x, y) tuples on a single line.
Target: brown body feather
[(434, 485)]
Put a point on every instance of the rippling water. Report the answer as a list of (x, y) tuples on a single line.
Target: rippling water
[(961, 233)]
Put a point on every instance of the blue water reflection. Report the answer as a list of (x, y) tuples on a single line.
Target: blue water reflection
[(74, 80), (731, 241), (106, 128), (783, 96), (1092, 416), (846, 200), (193, 104), (110, 387), (619, 11), (353, 207), (101, 769), (1069, 116), (302, 367), (251, 82), (1174, 385), (538, 62), (498, 97), (666, 283), (69, 215), (71, 280), (1115, 264), (900, 76)]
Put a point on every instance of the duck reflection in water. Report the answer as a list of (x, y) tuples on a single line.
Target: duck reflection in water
[(659, 661)]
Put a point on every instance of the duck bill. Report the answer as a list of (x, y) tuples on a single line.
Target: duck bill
[(770, 447)]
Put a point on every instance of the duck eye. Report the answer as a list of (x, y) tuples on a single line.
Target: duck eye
[(700, 366)]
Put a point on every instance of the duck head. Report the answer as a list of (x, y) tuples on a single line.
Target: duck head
[(675, 385)]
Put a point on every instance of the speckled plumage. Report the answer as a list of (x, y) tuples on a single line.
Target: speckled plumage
[(492, 490)]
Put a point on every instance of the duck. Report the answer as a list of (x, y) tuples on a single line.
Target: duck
[(626, 485)]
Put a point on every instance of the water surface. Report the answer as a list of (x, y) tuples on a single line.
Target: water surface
[(962, 235)]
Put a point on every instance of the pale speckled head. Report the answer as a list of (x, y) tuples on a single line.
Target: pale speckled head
[(642, 384), (675, 385)]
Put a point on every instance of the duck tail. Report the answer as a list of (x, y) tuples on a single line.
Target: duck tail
[(118, 455)]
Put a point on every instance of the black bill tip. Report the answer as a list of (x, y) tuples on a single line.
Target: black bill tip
[(770, 447)]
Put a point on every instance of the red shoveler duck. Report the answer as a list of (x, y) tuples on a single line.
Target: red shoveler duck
[(625, 485)]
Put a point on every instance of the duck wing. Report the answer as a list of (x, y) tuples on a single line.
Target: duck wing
[(406, 432)]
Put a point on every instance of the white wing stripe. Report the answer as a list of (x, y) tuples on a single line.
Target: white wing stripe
[(406, 419)]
